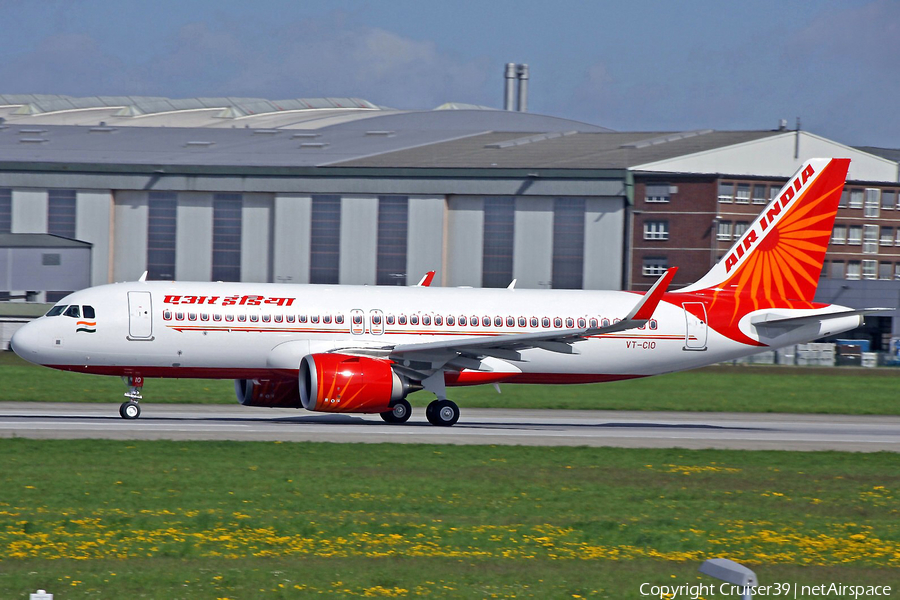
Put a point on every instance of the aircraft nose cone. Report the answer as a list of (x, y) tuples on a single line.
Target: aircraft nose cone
[(24, 344)]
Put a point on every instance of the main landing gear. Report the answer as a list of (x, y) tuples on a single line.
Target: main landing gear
[(442, 413), (130, 409)]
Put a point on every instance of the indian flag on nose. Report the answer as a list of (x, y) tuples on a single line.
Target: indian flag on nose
[(86, 326)]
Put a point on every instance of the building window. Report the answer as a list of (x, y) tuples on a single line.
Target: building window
[(839, 234), (568, 243), (884, 270), (773, 191), (853, 269), (873, 202), (742, 194), (499, 233), (887, 236), (740, 228), (723, 231), (726, 191), (5, 211), (656, 230), (845, 199), (54, 297), (759, 194), (61, 213), (393, 224), (226, 247), (837, 269), (896, 270), (870, 269), (855, 235), (654, 266), (870, 239), (325, 239), (888, 199), (856, 198), (657, 192), (161, 227)]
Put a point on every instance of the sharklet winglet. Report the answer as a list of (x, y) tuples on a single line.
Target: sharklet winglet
[(644, 309)]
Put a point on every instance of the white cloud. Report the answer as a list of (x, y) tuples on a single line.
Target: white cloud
[(330, 56)]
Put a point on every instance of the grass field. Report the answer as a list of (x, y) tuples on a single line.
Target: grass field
[(720, 388), (116, 519)]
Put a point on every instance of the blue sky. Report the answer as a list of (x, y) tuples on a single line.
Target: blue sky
[(656, 65)]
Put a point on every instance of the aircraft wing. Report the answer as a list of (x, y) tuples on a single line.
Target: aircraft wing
[(423, 359)]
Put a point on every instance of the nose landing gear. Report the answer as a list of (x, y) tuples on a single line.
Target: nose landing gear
[(130, 409)]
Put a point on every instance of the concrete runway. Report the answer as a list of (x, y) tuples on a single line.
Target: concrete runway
[(627, 429)]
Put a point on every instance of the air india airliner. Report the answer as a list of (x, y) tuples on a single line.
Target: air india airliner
[(363, 349)]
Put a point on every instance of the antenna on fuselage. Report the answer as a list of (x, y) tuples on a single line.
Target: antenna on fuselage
[(143, 277)]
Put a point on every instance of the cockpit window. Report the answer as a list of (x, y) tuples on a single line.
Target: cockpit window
[(88, 312), (56, 310), (73, 311)]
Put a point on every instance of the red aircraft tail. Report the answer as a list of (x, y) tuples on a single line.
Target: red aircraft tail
[(779, 258)]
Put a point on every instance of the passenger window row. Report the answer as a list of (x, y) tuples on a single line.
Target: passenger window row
[(426, 320)]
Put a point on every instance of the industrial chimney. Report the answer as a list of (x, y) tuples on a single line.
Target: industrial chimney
[(522, 73), (511, 74), (510, 86)]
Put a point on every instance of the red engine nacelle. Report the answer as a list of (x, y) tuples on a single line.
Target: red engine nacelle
[(281, 393), (342, 383)]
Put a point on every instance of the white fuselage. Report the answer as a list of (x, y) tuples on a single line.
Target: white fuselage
[(247, 330)]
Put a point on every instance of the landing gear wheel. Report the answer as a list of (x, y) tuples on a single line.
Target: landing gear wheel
[(130, 410), (442, 413), (399, 413)]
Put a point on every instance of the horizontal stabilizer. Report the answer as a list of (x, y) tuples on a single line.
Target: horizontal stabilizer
[(774, 322)]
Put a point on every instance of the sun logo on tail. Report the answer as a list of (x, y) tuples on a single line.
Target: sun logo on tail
[(785, 265)]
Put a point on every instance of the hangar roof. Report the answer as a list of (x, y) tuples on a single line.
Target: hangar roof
[(888, 153), (307, 137), (566, 150), (245, 113), (148, 111), (234, 136), (408, 140)]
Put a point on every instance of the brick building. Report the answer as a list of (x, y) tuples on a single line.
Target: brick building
[(691, 220)]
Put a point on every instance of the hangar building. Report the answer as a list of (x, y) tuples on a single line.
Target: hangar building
[(339, 190)]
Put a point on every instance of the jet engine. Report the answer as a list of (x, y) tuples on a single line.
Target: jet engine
[(280, 393), (342, 383)]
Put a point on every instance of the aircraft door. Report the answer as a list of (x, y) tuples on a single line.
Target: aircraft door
[(140, 316), (695, 332)]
